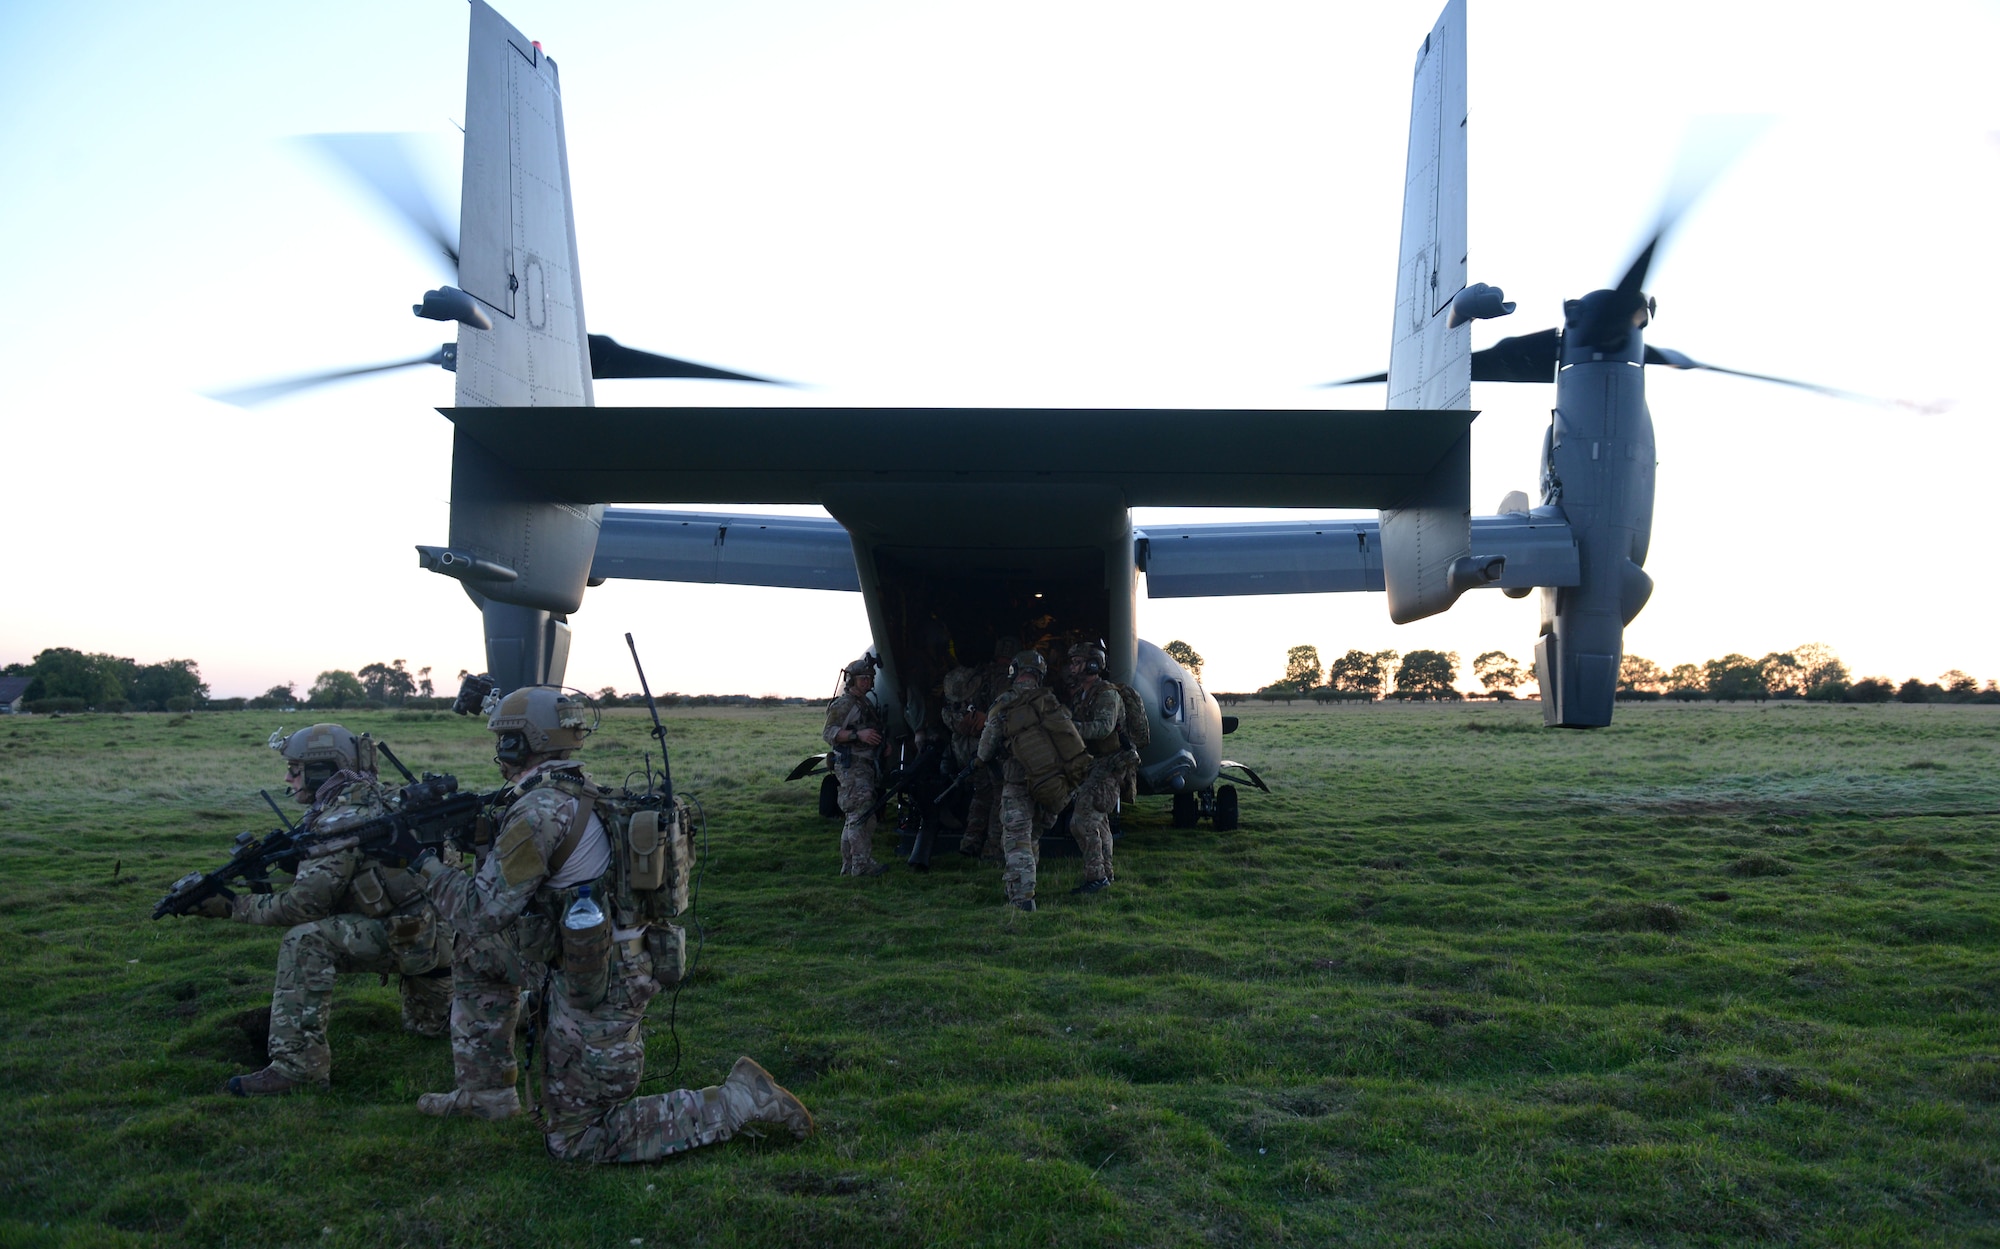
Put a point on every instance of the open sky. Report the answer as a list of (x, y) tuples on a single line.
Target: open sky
[(1082, 203)]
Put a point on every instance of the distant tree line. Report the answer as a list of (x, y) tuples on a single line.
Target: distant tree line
[(62, 679), (1811, 671)]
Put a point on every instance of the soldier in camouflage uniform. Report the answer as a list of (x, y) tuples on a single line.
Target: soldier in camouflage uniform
[(1099, 712), (1022, 819), (347, 912), (854, 730), (982, 814), (549, 846)]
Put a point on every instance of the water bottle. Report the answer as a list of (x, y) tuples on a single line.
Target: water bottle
[(586, 952), (584, 912)]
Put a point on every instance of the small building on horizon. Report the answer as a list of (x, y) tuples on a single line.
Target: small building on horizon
[(12, 691)]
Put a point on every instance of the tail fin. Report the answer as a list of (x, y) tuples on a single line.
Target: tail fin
[(1428, 539), (523, 556)]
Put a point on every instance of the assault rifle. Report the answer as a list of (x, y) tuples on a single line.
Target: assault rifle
[(251, 865), (433, 809)]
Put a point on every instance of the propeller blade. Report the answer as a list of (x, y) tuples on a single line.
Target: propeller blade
[(1707, 152), (1672, 359), (611, 358), (1356, 381), (384, 164), (251, 396), (1523, 358)]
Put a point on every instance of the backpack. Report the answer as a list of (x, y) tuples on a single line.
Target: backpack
[(1044, 741), (652, 853), (1138, 729)]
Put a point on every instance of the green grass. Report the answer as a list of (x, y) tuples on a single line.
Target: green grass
[(1714, 975)]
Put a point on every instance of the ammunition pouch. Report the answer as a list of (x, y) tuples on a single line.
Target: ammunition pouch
[(370, 893), (666, 952)]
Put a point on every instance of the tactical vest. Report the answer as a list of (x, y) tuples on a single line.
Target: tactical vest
[(652, 855), (1043, 740), (1109, 744)]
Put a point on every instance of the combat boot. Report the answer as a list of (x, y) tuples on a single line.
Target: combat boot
[(1092, 886), (750, 1098), (270, 1082), (468, 1103)]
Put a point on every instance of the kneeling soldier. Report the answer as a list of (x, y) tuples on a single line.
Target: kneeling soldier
[(551, 852), (346, 911)]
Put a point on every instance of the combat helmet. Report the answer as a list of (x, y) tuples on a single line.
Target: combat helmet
[(324, 749), (539, 720), (1029, 661), (1092, 655)]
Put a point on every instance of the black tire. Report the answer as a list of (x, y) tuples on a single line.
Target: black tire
[(1225, 809), (1187, 812), (829, 797)]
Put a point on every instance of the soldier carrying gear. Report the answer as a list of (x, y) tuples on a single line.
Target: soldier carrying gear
[(347, 912), (551, 851), (854, 728), (1099, 709), (1039, 749)]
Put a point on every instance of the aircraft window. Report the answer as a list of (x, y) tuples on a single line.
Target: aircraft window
[(1170, 700)]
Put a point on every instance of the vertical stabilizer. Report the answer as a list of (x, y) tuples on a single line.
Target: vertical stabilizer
[(517, 256), (1430, 360)]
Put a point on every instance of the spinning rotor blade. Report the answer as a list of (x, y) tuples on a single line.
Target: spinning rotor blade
[(251, 396), (1677, 360), (1523, 358), (610, 358), (383, 163), (1355, 381)]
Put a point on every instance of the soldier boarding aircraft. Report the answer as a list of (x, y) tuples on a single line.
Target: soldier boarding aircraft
[(960, 524)]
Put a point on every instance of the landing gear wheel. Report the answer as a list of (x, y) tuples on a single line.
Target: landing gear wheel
[(829, 797), (1187, 813), (1225, 808)]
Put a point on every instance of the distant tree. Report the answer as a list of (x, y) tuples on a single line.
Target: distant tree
[(1427, 674), (284, 695), (1821, 674), (424, 684), (387, 683), (606, 697), (1870, 690), (1958, 686), (1687, 682), (61, 672), (337, 688), (1279, 691), (1734, 678), (1640, 676), (1915, 691), (1357, 674), (1184, 655), (155, 684), (1782, 674), (1499, 672), (1301, 670)]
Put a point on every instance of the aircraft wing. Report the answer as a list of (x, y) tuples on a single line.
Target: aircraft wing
[(1153, 457), (725, 548), (1335, 556)]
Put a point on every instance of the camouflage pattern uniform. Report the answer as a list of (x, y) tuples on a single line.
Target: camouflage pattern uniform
[(855, 765), (347, 913), (966, 692), (592, 1057), (1022, 819), (1100, 720)]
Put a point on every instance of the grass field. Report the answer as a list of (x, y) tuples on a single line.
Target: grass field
[(1715, 975)]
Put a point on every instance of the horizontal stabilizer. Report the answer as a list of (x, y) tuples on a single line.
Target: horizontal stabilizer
[(725, 548), (1153, 456), (1336, 556)]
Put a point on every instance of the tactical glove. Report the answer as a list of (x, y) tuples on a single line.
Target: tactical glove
[(215, 906)]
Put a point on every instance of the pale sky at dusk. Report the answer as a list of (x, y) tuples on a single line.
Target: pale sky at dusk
[(1113, 204)]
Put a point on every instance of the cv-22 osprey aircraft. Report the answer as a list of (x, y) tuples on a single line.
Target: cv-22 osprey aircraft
[(958, 525)]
